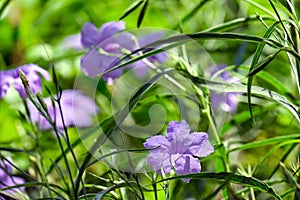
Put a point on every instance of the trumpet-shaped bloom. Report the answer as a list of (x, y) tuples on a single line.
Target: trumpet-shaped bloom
[(7, 179), (108, 45), (77, 110), (32, 71), (179, 150), (228, 102)]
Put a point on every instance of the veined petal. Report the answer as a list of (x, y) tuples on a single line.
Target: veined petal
[(187, 164), (178, 136), (159, 161), (177, 128), (158, 141), (200, 146)]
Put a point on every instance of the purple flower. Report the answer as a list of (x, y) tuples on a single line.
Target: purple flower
[(77, 109), (180, 150), (228, 102), (72, 42), (12, 76), (108, 45), (7, 179)]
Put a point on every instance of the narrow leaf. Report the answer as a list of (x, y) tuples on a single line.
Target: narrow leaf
[(101, 194), (265, 142), (230, 177), (254, 62), (263, 64), (131, 8), (142, 13), (191, 13), (178, 40)]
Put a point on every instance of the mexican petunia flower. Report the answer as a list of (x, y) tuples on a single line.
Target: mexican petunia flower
[(228, 102), (7, 179), (108, 45), (77, 109), (32, 71), (179, 150)]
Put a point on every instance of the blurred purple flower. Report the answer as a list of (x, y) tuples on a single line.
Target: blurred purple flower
[(228, 102), (72, 42), (13, 77), (107, 46), (180, 150), (77, 109), (7, 179)]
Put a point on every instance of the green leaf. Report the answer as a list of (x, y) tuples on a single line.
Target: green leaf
[(101, 194), (178, 40), (265, 142), (237, 23), (261, 8), (284, 142), (255, 60), (230, 177), (263, 64), (244, 116), (255, 90)]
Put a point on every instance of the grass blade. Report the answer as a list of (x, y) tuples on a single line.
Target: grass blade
[(263, 64), (237, 23), (142, 13), (265, 142), (178, 40), (254, 62), (102, 193), (230, 177), (131, 8), (4, 5), (191, 13)]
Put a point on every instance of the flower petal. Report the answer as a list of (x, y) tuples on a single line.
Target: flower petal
[(187, 164), (78, 110), (110, 28), (158, 141), (159, 161), (150, 38), (178, 136), (6, 178), (89, 35), (94, 63), (5, 82), (34, 80), (32, 68), (200, 146)]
